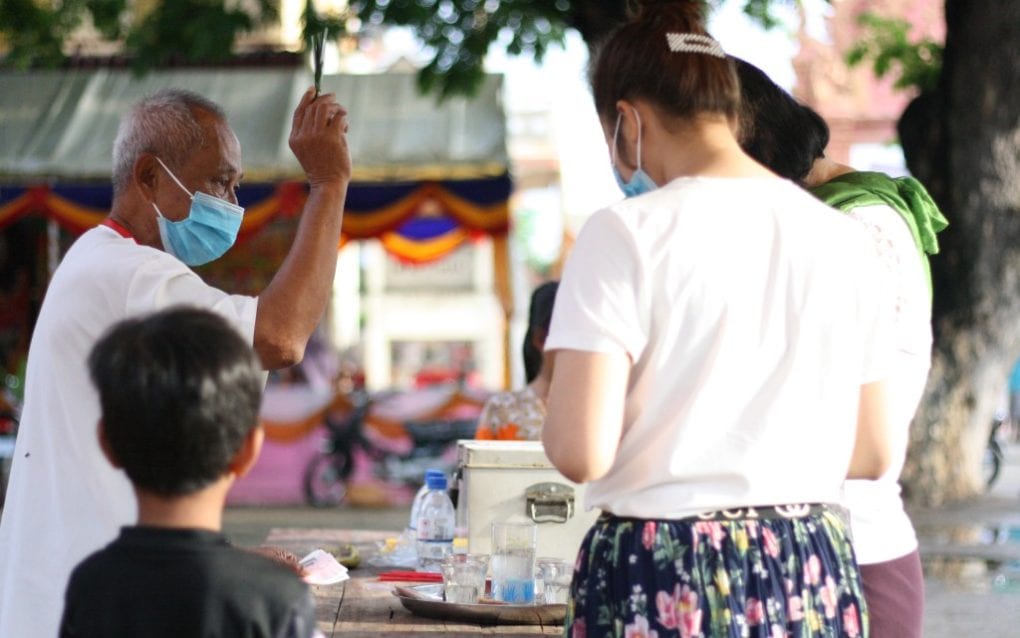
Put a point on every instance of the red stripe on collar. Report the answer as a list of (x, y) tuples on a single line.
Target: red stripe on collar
[(119, 229)]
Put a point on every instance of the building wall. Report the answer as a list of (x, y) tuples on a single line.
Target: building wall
[(403, 311)]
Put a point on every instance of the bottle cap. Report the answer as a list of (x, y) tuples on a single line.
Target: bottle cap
[(436, 481)]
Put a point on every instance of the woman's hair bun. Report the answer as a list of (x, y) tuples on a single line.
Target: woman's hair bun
[(687, 10), (655, 58)]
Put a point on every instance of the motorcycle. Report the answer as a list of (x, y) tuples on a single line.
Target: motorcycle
[(432, 444)]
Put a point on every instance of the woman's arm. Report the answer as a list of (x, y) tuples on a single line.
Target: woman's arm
[(872, 449), (585, 409)]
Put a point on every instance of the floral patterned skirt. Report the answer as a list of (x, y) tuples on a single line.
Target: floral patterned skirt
[(767, 576)]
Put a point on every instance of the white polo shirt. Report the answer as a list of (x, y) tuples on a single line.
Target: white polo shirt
[(752, 314), (65, 500)]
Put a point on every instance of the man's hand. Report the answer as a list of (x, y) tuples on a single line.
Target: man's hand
[(318, 138), (281, 556)]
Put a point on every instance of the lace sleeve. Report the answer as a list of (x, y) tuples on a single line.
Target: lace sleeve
[(901, 263)]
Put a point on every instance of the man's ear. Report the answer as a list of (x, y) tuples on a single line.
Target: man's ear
[(104, 445), (245, 458), (145, 173)]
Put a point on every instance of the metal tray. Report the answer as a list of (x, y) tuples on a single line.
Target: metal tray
[(427, 601)]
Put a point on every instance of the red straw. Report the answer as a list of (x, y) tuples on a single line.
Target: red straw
[(411, 576)]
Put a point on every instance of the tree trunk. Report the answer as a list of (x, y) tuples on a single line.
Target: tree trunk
[(963, 141)]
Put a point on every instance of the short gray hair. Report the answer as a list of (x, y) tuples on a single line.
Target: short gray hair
[(163, 124)]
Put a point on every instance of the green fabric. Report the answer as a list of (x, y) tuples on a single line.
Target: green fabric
[(905, 195)]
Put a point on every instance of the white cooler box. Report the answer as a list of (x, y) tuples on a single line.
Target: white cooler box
[(514, 481)]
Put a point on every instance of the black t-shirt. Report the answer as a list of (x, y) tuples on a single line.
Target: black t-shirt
[(184, 583)]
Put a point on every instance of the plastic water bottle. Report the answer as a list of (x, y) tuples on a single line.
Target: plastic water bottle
[(435, 525), (418, 498)]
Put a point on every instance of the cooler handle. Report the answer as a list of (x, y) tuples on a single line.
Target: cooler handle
[(550, 502)]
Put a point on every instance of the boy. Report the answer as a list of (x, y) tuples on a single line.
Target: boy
[(179, 395)]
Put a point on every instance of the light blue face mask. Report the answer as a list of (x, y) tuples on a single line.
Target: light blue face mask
[(640, 182), (208, 231)]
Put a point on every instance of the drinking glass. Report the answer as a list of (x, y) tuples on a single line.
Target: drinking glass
[(464, 577), (513, 562), (555, 574)]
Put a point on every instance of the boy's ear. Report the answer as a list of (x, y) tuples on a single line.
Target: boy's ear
[(104, 445), (249, 452)]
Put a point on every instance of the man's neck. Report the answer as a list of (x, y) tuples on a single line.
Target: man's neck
[(138, 218)]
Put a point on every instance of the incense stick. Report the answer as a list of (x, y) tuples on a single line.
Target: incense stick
[(318, 42)]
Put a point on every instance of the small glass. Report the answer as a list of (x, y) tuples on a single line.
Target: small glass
[(555, 574), (464, 577), (513, 562)]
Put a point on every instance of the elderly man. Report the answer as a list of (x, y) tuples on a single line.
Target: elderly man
[(176, 167)]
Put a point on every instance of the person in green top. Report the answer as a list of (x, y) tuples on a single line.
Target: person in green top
[(790, 139)]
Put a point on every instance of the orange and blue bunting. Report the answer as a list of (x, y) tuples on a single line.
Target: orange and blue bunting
[(395, 213)]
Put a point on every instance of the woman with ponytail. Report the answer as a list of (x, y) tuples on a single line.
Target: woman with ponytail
[(719, 351)]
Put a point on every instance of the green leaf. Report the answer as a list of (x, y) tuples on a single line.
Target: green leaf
[(886, 42), (192, 30), (459, 33), (34, 33), (106, 16)]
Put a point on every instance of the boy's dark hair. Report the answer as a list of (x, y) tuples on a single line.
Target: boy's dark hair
[(635, 61), (775, 129), (539, 318), (179, 391)]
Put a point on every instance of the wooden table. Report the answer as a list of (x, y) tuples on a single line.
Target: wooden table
[(364, 606)]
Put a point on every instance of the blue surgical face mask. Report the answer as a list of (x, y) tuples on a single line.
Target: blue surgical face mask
[(208, 231), (640, 182)]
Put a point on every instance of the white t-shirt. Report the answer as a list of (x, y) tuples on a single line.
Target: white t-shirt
[(65, 500), (752, 314), (882, 530)]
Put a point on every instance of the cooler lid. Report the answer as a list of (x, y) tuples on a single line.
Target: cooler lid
[(502, 454)]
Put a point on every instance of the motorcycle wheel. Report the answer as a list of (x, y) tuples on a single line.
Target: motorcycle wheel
[(325, 480)]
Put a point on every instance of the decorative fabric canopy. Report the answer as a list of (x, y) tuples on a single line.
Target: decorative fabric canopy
[(390, 212), (428, 176)]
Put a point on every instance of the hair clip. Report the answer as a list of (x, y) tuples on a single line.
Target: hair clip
[(694, 43)]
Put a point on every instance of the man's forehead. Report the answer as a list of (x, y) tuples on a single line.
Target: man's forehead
[(231, 151), (221, 138), (230, 160)]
